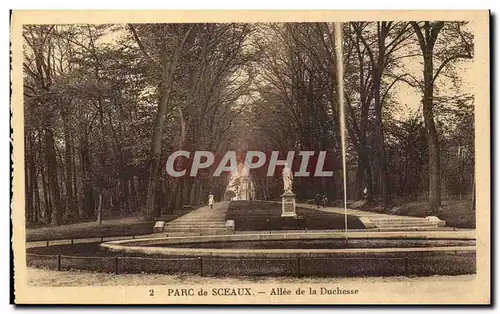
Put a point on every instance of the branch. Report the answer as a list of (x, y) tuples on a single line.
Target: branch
[(172, 66), (435, 29), (411, 55), (396, 41), (413, 83), (356, 130), (141, 45), (467, 45), (448, 60), (420, 36), (397, 79), (367, 46), (396, 45)]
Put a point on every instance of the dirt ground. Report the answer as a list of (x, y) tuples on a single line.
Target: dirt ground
[(41, 277)]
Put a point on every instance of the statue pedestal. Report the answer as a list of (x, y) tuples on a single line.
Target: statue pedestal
[(288, 205)]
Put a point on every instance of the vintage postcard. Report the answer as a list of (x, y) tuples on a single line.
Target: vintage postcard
[(251, 157)]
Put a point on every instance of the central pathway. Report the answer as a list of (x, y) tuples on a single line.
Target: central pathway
[(204, 220)]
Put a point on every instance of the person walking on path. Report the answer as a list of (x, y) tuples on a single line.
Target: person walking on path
[(211, 200), (324, 201), (317, 200)]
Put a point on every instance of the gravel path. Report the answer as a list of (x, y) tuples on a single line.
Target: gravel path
[(41, 277)]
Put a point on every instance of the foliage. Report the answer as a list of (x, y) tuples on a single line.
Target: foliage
[(105, 105)]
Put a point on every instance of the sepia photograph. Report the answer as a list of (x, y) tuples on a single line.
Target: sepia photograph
[(251, 157)]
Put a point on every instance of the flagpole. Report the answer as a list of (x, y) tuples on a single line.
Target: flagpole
[(340, 98)]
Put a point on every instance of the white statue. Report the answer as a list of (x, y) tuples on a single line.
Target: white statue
[(287, 178)]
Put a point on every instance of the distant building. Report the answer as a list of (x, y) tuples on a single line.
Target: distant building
[(243, 187)]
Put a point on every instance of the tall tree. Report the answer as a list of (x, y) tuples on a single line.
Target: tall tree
[(427, 34), (387, 39), (165, 64), (39, 66)]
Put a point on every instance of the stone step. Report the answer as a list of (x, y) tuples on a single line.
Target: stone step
[(191, 225), (195, 223), (203, 220), (419, 228), (201, 217), (215, 217), (180, 233), (170, 217), (384, 216), (398, 219), (406, 226), (403, 223), (193, 229), (168, 234)]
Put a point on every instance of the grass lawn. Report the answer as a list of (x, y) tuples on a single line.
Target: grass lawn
[(256, 215), (89, 230), (109, 228), (456, 213)]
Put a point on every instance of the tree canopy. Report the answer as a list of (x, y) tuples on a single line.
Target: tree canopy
[(105, 105)]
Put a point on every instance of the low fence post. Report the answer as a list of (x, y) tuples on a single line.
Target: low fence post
[(59, 262), (200, 260), (47, 243), (297, 264), (116, 265)]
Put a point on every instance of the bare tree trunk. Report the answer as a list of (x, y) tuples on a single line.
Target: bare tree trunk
[(154, 167), (50, 155), (434, 158), (46, 198), (379, 133), (364, 175), (360, 174), (75, 183), (70, 207), (99, 210), (28, 186), (179, 201), (88, 191), (133, 191), (427, 42), (474, 193), (165, 91)]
